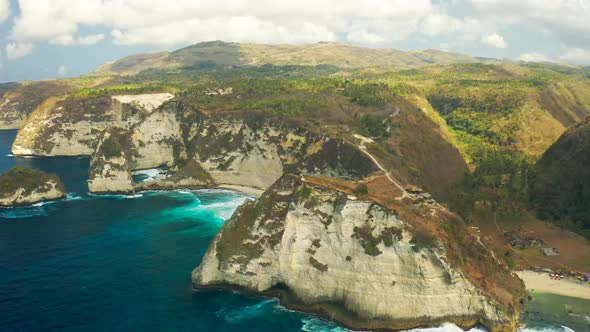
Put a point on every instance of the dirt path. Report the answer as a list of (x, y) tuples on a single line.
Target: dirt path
[(405, 194)]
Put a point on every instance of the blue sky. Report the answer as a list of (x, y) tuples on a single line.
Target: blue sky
[(42, 39)]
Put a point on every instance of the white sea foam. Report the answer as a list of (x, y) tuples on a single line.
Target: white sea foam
[(225, 209), (246, 312), (132, 196), (19, 212), (447, 327), (73, 197), (116, 196), (10, 155), (152, 174), (313, 324), (546, 329)]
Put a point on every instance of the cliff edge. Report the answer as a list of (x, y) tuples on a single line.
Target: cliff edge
[(349, 258)]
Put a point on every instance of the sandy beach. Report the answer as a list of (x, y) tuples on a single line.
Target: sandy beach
[(567, 287), (244, 189)]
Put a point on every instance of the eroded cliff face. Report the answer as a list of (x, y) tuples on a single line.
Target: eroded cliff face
[(10, 116), (71, 127), (157, 141), (257, 153), (202, 151), (109, 165), (49, 192), (351, 258)]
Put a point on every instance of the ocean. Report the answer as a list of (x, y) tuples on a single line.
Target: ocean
[(123, 263)]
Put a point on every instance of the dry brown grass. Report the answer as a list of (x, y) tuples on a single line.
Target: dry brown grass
[(574, 249)]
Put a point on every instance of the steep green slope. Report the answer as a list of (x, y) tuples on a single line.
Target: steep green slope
[(560, 191), (502, 118)]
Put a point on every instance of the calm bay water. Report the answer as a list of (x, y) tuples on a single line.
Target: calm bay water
[(116, 263)]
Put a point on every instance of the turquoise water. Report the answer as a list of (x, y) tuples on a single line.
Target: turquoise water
[(549, 310), (123, 263)]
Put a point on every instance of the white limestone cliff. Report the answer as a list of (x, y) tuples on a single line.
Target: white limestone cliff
[(109, 165), (157, 141), (320, 248), (70, 127), (48, 192)]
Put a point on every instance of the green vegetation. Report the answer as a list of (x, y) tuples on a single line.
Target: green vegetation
[(560, 188), (111, 147), (130, 89), (373, 126), (316, 264), (490, 112), (423, 239), (305, 192), (20, 177), (361, 189), (364, 235)]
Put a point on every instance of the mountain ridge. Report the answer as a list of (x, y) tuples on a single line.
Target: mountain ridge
[(247, 54)]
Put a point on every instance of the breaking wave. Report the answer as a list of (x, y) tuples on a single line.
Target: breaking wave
[(314, 324), (150, 174), (19, 212)]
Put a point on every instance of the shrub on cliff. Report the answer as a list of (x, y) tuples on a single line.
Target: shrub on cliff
[(361, 189)]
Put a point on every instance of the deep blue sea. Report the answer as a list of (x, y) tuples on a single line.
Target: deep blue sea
[(123, 263)]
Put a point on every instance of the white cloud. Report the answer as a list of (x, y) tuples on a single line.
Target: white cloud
[(577, 56), (62, 70), (18, 50), (171, 22), (80, 40), (4, 10), (562, 20), (494, 40), (437, 24), (380, 22), (364, 37), (532, 57)]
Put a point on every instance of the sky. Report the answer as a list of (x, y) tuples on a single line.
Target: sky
[(44, 39)]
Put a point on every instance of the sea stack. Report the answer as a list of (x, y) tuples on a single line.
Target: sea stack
[(24, 186)]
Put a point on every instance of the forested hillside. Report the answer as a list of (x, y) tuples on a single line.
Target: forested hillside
[(468, 132)]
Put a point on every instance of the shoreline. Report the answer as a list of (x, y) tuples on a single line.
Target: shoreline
[(342, 317), (538, 281), (256, 192)]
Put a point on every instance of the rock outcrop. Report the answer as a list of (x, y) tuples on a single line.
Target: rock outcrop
[(201, 151), (255, 153), (25, 186), (354, 260), (109, 165), (157, 141), (70, 127), (190, 175)]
